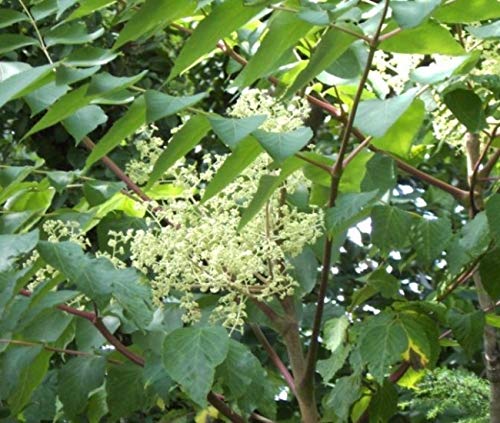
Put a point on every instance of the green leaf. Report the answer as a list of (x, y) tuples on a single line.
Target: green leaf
[(10, 16), (493, 320), (90, 56), (349, 209), (285, 30), (490, 277), (329, 367), (384, 403), (379, 281), (428, 38), (467, 107), (472, 241), (314, 16), (107, 83), (485, 32), (76, 379), (29, 372), (22, 83), (97, 192), (339, 400), (159, 105), (267, 185), (305, 269), (225, 18), (437, 72), (9, 42), (380, 175), (331, 46), (62, 109), (232, 131), (382, 342), (467, 329), (461, 11), (355, 172), (87, 7), (181, 143), (13, 247), (99, 279), (431, 238), (154, 13), (48, 326), (335, 332), (45, 96), (281, 145), (130, 122), (84, 121), (399, 138), (376, 117), (391, 228), (47, 8), (243, 155), (239, 369), (125, 389), (493, 214), (69, 75), (411, 14), (191, 355), (42, 404), (71, 33)]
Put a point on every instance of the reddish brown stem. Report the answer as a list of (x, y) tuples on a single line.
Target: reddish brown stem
[(99, 325), (276, 360), (220, 405), (334, 190), (111, 165)]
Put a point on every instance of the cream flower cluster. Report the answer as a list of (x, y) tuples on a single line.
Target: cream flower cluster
[(203, 250), (281, 117), (395, 68), (56, 230), (149, 149)]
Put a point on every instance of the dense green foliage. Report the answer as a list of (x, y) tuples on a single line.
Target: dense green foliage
[(249, 210)]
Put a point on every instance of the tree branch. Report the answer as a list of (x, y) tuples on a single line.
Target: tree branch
[(111, 165), (276, 360), (335, 182), (218, 403), (99, 325)]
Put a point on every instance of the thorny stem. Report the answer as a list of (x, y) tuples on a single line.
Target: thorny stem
[(335, 181)]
